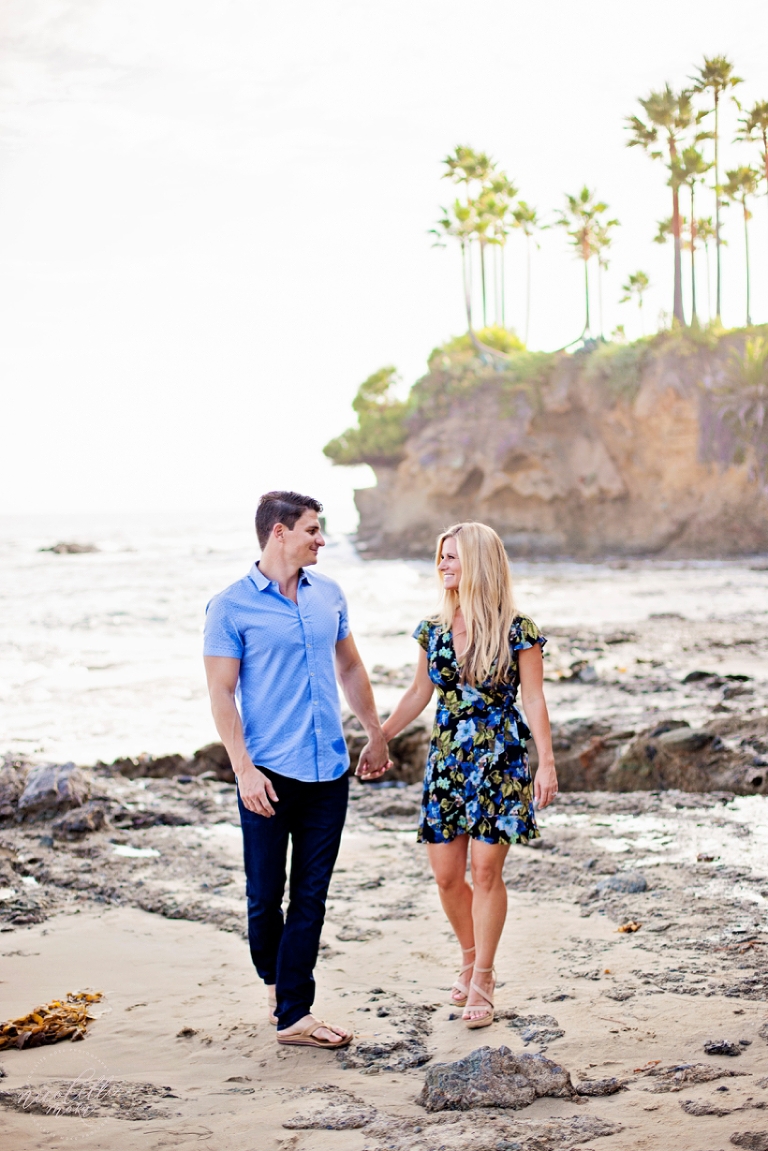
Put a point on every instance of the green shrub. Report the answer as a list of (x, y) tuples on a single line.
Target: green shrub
[(381, 431)]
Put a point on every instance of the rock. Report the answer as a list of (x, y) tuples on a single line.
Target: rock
[(703, 1107), (215, 758), (395, 1054), (12, 780), (537, 1028), (557, 458), (489, 1078), (686, 739), (595, 1087), (71, 549), (626, 882), (79, 821), (763, 1032), (335, 1117), (149, 767), (685, 758), (681, 1075), (721, 1047), (752, 1140), (584, 749), (52, 788)]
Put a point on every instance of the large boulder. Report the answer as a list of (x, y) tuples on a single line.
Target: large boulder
[(675, 755), (50, 789), (489, 1078), (214, 758)]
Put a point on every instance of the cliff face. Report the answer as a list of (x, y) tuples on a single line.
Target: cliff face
[(583, 456)]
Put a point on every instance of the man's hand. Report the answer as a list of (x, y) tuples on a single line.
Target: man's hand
[(374, 759), (545, 785), (256, 790)]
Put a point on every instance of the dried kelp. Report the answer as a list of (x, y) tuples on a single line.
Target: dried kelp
[(54, 1021)]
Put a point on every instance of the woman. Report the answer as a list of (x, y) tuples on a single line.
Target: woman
[(476, 651)]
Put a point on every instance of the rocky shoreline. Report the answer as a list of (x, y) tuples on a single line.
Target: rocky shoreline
[(640, 916)]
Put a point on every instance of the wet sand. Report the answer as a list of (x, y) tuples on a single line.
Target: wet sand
[(184, 1012)]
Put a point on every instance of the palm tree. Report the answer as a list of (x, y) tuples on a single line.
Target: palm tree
[(603, 244), (587, 232), (466, 166), (692, 168), (705, 232), (459, 222), (669, 115), (498, 199), (636, 286), (716, 75), (754, 126), (525, 218), (743, 182)]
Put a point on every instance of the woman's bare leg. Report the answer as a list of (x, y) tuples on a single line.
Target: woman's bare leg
[(489, 910), (449, 867)]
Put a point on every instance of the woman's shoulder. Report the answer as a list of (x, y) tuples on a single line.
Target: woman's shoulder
[(524, 633), (425, 630)]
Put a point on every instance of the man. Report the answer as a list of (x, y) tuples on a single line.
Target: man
[(271, 641)]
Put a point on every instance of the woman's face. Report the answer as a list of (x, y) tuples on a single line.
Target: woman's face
[(450, 564)]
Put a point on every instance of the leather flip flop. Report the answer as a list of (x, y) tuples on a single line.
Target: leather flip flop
[(306, 1038)]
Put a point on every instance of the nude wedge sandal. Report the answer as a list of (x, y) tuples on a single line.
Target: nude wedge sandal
[(486, 1019), (458, 985)]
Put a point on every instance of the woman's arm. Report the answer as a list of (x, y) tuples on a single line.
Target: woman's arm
[(531, 665), (414, 700)]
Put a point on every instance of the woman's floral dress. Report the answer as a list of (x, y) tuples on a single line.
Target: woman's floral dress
[(477, 781)]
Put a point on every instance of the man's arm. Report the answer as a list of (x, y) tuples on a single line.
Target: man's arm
[(255, 788), (357, 690)]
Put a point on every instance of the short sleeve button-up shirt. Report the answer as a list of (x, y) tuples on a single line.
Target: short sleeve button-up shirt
[(286, 692)]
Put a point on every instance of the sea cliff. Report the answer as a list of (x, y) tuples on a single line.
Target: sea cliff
[(654, 448)]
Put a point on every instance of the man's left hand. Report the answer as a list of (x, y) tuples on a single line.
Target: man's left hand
[(374, 760)]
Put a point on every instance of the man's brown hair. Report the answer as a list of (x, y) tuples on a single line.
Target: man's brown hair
[(282, 508)]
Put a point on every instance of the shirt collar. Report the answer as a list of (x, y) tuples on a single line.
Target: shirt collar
[(262, 583)]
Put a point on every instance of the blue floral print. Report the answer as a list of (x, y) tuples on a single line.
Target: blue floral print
[(477, 780)]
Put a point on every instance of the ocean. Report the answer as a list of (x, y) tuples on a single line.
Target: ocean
[(100, 653)]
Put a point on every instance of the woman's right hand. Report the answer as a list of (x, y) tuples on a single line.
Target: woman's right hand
[(545, 785)]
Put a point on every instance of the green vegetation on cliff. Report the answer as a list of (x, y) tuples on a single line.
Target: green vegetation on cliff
[(733, 382)]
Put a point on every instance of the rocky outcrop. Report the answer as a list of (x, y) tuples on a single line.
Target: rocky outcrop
[(488, 1078), (624, 451)]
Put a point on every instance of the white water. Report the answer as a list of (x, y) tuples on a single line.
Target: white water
[(100, 654)]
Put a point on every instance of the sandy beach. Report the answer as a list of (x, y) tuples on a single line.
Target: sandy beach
[(142, 897), (182, 1054)]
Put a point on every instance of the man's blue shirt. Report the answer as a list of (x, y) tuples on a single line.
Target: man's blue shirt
[(286, 692)]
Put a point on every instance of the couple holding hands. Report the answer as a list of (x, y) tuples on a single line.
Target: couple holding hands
[(276, 643)]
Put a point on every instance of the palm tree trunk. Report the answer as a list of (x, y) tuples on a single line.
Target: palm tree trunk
[(466, 274), (482, 279), (677, 306), (586, 295), (600, 295), (717, 206), (503, 292), (746, 255), (694, 316), (642, 317), (527, 287)]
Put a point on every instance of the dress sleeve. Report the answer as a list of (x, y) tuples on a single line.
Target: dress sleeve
[(525, 634), (421, 635)]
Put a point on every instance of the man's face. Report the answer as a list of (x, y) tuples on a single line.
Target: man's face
[(304, 542)]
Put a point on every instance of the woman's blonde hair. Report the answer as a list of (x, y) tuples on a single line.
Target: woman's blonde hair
[(485, 595)]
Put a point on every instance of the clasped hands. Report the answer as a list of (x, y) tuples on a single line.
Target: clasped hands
[(374, 758)]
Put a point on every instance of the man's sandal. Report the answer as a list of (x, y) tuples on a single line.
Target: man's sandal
[(271, 1005), (307, 1037), (486, 1019), (460, 999)]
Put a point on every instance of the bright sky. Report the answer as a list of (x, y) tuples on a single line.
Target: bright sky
[(214, 216)]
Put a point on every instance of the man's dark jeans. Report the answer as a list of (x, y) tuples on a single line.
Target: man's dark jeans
[(284, 948)]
